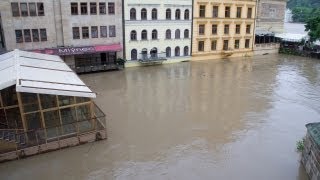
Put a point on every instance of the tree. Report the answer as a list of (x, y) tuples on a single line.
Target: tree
[(301, 14), (313, 25)]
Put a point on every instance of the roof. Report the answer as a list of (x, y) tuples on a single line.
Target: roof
[(40, 73), (292, 37), (314, 131)]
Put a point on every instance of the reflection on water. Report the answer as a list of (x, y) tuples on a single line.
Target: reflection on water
[(221, 119)]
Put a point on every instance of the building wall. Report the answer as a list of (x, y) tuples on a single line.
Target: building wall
[(221, 21), (161, 25), (271, 15)]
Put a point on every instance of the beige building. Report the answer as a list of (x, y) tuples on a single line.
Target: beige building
[(86, 34), (223, 28), (271, 15)]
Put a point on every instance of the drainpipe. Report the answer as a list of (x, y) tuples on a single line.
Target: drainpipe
[(192, 15)]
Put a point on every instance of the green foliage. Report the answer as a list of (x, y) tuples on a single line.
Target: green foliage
[(313, 25), (301, 14), (303, 3), (300, 145)]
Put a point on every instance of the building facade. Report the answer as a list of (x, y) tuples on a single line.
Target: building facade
[(271, 15), (223, 28), (86, 34), (157, 30)]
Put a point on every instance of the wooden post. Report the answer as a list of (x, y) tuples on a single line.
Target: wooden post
[(93, 115), (42, 117), (22, 111)]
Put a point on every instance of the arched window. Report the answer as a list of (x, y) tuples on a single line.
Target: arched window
[(177, 51), (133, 13), (154, 53), (178, 14), (144, 14), (186, 14), (177, 34), (154, 14), (168, 34), (168, 52), (144, 35), (168, 14), (144, 54), (154, 34), (133, 35), (186, 51), (134, 54), (186, 33)]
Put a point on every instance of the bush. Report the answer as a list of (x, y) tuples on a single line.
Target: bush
[(300, 145)]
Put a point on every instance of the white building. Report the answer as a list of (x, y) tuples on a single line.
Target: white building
[(157, 30)]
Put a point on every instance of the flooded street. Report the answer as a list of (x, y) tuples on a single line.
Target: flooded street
[(234, 119)]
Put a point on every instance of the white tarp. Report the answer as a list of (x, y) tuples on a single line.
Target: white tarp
[(40, 73)]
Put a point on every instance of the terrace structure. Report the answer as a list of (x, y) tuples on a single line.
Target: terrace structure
[(44, 106)]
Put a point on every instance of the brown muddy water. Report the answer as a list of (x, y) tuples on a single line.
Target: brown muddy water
[(234, 119)]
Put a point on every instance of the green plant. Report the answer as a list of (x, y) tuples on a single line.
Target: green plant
[(300, 145)]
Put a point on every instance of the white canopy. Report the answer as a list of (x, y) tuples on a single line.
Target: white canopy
[(40, 73)]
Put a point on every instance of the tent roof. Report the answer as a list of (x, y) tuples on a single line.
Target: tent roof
[(292, 37), (40, 73)]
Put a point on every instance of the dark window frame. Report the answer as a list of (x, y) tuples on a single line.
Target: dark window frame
[(93, 8), (76, 32), (43, 35), (111, 8), (85, 32), (15, 9), (74, 8), (112, 31), (40, 9), (84, 8)]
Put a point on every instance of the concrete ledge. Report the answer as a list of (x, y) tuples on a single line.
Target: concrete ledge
[(169, 61), (221, 56)]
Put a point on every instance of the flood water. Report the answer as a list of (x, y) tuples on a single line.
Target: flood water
[(234, 119)]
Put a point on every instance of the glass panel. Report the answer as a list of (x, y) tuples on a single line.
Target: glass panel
[(9, 96), (52, 120), (66, 100), (48, 101), (33, 121), (30, 102), (3, 120), (82, 99), (32, 9), (83, 112), (68, 117)]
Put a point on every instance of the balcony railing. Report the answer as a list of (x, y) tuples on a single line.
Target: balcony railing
[(96, 67), (152, 58)]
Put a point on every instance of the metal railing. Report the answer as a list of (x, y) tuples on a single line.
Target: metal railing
[(95, 67)]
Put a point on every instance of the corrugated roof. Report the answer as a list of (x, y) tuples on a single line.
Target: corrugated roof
[(40, 73), (314, 131)]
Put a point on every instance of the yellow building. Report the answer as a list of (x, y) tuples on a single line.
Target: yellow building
[(223, 28)]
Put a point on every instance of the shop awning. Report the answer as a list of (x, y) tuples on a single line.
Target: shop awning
[(40, 73), (65, 51)]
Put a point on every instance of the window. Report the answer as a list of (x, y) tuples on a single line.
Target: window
[(154, 34), (94, 32), (168, 14), (85, 32), (24, 9), (226, 29), (272, 12), (35, 35), (111, 8), (76, 33), (133, 35), (144, 35), (201, 46), (238, 29), (143, 14), (112, 31), (201, 29), (186, 14), (102, 8), (239, 12), (74, 8), (134, 54), (214, 45), (249, 14), (93, 8), (168, 52), (202, 11), (133, 14), (177, 34), (225, 45), (186, 33), (40, 9), (214, 29), (19, 36), (154, 14), (178, 14), (247, 43), (84, 8), (215, 11), (43, 34), (32, 9), (168, 34), (177, 51), (15, 9), (237, 44), (248, 29), (186, 51), (103, 31), (227, 12)]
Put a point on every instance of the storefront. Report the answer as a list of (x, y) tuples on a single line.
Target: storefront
[(88, 58)]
